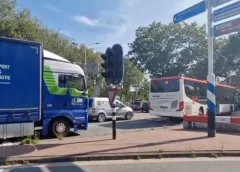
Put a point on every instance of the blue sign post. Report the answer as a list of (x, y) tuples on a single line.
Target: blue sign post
[(219, 2), (190, 12), (227, 11), (211, 85)]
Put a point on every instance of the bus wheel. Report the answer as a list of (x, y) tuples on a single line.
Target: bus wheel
[(201, 111), (60, 127)]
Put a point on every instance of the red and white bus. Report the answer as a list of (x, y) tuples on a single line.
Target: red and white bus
[(177, 95)]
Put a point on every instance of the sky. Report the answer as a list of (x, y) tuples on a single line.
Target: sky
[(106, 21)]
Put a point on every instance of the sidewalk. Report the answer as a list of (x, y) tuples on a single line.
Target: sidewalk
[(151, 141)]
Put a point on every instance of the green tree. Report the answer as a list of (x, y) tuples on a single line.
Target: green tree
[(19, 23), (168, 50), (231, 60), (143, 89), (132, 78), (165, 50), (200, 68)]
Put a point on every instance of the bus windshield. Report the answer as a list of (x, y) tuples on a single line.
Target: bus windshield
[(165, 85)]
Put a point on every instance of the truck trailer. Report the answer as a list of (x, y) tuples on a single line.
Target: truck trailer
[(39, 90)]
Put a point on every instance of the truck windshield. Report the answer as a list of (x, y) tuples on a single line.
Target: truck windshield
[(165, 85), (76, 81)]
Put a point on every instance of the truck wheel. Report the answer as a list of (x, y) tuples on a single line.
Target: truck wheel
[(101, 117), (128, 115), (60, 127)]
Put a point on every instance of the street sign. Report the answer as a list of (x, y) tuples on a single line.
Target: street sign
[(226, 12), (112, 92), (219, 2), (227, 27), (92, 68), (190, 12)]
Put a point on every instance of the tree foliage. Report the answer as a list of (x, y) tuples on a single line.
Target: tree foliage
[(19, 23), (132, 78), (171, 49)]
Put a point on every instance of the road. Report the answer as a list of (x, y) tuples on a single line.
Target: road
[(141, 121), (164, 165)]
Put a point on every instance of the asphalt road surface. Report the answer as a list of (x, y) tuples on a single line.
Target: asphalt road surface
[(140, 121), (164, 165)]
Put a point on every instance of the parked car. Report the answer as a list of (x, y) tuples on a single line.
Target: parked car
[(100, 109), (145, 107), (136, 105)]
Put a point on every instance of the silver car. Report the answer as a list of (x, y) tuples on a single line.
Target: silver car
[(100, 109)]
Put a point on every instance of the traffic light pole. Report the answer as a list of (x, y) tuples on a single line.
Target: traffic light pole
[(114, 118), (113, 73)]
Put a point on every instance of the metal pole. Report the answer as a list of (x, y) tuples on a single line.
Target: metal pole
[(114, 133), (85, 57), (211, 85), (85, 62)]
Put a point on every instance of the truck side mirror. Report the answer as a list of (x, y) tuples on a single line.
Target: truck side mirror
[(84, 93)]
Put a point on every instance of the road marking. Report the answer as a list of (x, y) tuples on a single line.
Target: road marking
[(6, 144), (44, 168), (1, 170)]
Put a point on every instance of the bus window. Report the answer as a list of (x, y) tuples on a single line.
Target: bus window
[(225, 95), (195, 89), (163, 86)]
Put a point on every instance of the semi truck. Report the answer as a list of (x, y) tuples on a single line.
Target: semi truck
[(39, 90)]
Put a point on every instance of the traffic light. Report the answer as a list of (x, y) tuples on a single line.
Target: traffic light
[(107, 66), (118, 64), (113, 65)]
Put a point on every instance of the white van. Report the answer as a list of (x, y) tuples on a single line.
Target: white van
[(100, 109)]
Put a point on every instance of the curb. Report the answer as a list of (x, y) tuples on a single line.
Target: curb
[(120, 156)]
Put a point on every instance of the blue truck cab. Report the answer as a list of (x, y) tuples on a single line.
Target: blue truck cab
[(39, 90)]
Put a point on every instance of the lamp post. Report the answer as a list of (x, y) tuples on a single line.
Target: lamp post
[(85, 57)]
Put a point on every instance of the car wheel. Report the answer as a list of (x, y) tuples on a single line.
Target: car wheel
[(101, 117), (129, 116)]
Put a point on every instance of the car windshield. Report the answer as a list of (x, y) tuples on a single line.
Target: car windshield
[(137, 103), (145, 104)]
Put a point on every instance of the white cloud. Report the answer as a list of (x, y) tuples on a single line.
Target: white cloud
[(52, 8), (85, 20), (134, 13), (91, 22), (137, 13)]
